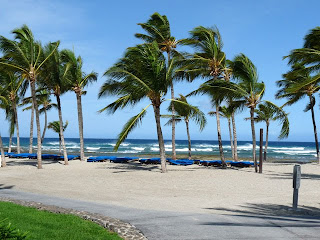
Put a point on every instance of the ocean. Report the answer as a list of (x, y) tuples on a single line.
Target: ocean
[(295, 151)]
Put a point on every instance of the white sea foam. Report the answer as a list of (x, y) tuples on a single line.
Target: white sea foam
[(287, 148), (138, 148), (289, 152), (203, 149), (93, 148)]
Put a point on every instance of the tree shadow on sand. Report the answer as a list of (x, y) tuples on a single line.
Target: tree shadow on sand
[(5, 187), (134, 166), (274, 214), (29, 162)]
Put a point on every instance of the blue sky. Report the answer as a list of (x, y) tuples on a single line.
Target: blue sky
[(100, 31)]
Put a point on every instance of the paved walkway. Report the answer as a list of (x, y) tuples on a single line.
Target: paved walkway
[(175, 225)]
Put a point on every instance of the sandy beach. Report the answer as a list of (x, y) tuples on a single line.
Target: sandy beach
[(184, 188)]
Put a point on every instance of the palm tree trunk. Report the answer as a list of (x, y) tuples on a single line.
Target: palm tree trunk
[(59, 143), (31, 128), (219, 136), (315, 130), (230, 134), (3, 159), (235, 140), (253, 139), (45, 124), (174, 153), (65, 156), (160, 139), (80, 119), (10, 143), (35, 104), (189, 139), (266, 146), (17, 125)]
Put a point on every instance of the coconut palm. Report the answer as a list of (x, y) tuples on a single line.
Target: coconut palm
[(158, 29), (208, 62), (25, 56), (297, 84), (52, 79), (248, 90), (3, 100), (14, 88), (267, 112), (186, 112), (78, 80), (141, 73), (55, 126), (44, 100), (226, 112)]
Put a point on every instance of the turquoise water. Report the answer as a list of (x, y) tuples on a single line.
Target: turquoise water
[(302, 151)]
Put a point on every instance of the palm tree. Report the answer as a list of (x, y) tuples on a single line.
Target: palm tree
[(226, 112), (248, 91), (52, 79), (14, 88), (268, 112), (209, 61), (43, 99), (78, 80), (158, 29), (186, 112), (3, 100), (141, 73), (25, 57), (55, 126), (297, 84)]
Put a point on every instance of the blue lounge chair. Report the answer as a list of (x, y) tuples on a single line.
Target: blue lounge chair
[(183, 162), (101, 158), (241, 164), (70, 157), (152, 160), (215, 163), (21, 155)]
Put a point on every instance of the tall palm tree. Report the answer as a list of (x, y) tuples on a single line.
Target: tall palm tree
[(141, 73), (78, 80), (52, 79), (186, 112), (25, 56), (3, 100), (267, 112), (158, 29), (55, 126), (248, 90), (297, 84), (14, 88), (44, 100), (226, 112), (208, 62)]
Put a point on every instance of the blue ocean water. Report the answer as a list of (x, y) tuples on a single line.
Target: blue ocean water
[(302, 151)]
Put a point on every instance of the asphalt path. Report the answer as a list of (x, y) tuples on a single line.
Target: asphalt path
[(258, 222)]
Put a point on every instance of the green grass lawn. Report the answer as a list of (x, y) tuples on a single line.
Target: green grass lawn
[(47, 225)]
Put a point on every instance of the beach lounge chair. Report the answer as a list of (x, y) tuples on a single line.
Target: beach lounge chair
[(152, 160), (70, 157), (21, 155), (182, 162), (241, 164), (101, 158), (214, 163), (123, 159)]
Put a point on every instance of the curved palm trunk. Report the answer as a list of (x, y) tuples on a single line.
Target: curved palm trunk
[(65, 156), (31, 129), (315, 130), (266, 146), (189, 139), (3, 159), (10, 143), (160, 139), (230, 135), (253, 139), (235, 140), (219, 136), (59, 143), (17, 125), (80, 119), (35, 104), (45, 124)]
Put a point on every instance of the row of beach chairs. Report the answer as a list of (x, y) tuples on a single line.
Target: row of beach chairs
[(182, 162), (44, 156)]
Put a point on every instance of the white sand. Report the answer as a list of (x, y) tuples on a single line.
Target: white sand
[(184, 188)]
